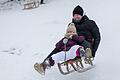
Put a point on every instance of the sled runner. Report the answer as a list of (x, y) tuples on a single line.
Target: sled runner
[(72, 65)]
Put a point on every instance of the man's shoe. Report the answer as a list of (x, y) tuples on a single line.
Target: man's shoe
[(88, 58), (88, 53)]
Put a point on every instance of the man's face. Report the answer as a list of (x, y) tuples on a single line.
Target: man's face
[(77, 17)]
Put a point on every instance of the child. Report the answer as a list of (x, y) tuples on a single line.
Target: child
[(65, 49)]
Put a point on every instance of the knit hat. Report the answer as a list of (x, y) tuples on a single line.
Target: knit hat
[(71, 28), (78, 10)]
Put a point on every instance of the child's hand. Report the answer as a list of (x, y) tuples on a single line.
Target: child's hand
[(69, 35), (65, 41)]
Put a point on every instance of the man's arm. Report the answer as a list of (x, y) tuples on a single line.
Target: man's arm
[(96, 35)]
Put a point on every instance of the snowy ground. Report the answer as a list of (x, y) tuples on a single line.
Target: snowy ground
[(28, 36)]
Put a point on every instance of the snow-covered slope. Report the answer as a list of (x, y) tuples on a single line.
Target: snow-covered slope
[(28, 36)]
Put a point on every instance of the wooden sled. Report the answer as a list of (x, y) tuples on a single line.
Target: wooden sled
[(72, 65), (31, 5)]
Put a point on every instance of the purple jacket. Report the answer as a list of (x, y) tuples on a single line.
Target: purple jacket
[(76, 40)]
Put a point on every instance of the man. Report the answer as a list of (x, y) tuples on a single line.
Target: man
[(87, 28)]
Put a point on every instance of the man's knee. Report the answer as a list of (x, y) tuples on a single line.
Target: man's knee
[(86, 44)]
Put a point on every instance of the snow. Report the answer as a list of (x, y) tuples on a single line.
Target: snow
[(28, 36)]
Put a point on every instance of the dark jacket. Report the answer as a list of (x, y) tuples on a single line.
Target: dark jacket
[(88, 28), (76, 40)]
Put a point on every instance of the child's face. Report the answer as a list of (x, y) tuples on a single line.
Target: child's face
[(71, 32)]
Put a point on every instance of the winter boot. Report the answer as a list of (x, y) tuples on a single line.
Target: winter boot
[(42, 67), (88, 55), (82, 52)]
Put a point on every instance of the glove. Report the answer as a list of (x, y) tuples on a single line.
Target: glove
[(70, 37), (65, 41)]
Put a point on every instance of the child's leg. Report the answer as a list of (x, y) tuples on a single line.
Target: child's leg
[(72, 52), (60, 57)]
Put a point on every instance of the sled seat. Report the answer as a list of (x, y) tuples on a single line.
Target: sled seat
[(71, 61), (31, 4)]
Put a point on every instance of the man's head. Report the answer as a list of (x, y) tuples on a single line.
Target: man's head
[(78, 13)]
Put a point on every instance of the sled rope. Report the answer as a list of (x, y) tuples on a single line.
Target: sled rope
[(65, 52), (65, 47)]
